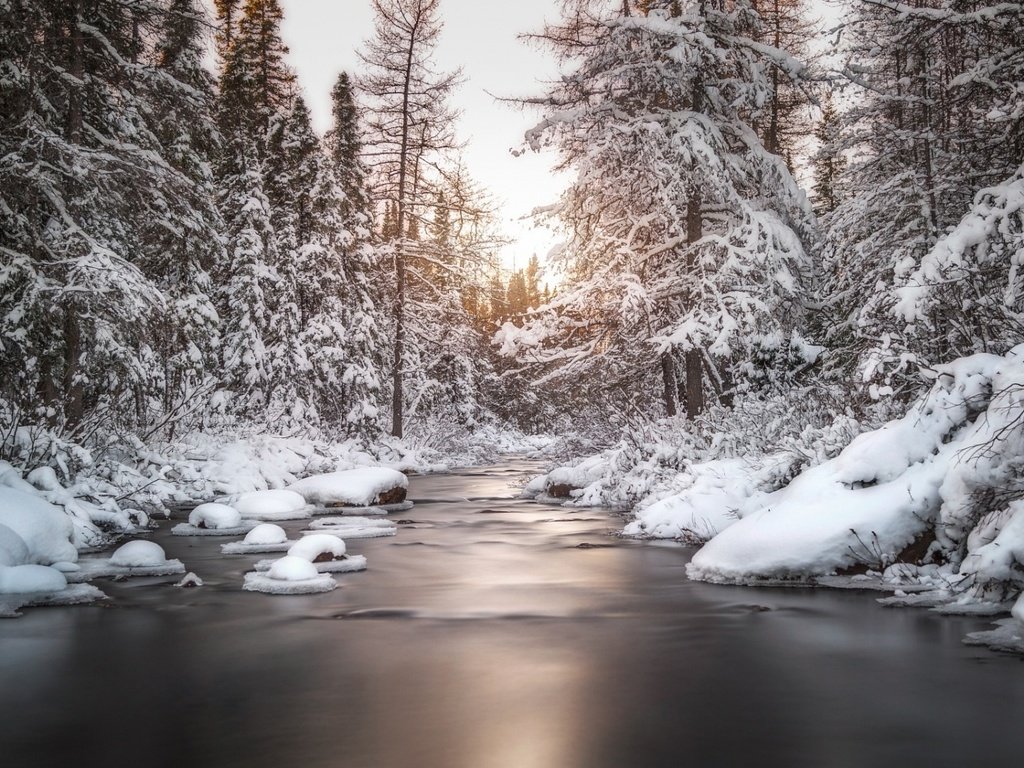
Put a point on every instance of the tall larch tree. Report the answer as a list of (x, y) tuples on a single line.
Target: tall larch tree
[(409, 123)]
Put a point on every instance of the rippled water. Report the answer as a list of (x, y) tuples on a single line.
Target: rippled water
[(485, 636)]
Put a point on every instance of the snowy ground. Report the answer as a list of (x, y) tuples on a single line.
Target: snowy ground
[(921, 507)]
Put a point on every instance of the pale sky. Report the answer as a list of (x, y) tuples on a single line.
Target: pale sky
[(480, 37)]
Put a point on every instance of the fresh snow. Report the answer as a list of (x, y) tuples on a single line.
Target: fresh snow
[(276, 504), (213, 519), (889, 487), (265, 537), (139, 554), (353, 487), (45, 530)]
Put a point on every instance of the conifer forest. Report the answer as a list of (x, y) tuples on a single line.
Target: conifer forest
[(739, 306)]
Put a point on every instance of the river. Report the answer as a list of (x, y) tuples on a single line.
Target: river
[(494, 632)]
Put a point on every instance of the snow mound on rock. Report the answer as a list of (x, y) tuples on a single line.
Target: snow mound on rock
[(352, 487), (289, 576), (323, 546), (215, 516), (349, 564), (213, 519), (23, 579), (266, 533), (139, 554), (265, 537), (278, 504), (45, 529)]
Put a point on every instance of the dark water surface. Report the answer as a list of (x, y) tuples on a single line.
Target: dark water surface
[(483, 636)]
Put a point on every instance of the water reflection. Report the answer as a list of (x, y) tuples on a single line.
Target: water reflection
[(498, 643)]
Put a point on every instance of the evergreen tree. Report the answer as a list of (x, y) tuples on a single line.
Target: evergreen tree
[(92, 180), (931, 124), (344, 145), (688, 236)]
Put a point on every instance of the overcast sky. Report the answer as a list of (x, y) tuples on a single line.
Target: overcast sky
[(481, 37)]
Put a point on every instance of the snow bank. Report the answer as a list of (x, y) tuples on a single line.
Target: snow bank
[(354, 487), (917, 476), (719, 493), (277, 504), (21, 579)]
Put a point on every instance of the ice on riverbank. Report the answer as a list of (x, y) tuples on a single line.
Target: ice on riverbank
[(289, 576), (37, 555), (353, 527)]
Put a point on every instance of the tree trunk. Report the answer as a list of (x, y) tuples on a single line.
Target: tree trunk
[(397, 426), (668, 377), (74, 401), (694, 363)]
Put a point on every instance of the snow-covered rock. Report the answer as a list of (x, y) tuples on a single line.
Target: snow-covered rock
[(367, 486), (321, 546), (139, 554), (22, 579), (289, 576), (277, 504), (213, 519), (265, 537), (325, 551), (135, 558), (214, 515), (189, 580), (45, 529)]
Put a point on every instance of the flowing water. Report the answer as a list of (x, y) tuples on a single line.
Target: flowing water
[(494, 632)]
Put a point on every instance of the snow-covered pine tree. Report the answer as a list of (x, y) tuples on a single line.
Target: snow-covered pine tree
[(362, 277), (183, 113), (409, 123), (88, 190), (687, 235), (936, 119), (257, 304), (243, 283)]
